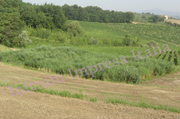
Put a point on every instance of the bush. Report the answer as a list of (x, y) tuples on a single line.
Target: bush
[(128, 41), (60, 59), (74, 29), (92, 41), (42, 33), (156, 19), (24, 40), (152, 42)]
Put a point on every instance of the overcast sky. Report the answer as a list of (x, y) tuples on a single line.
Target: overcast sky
[(119, 5)]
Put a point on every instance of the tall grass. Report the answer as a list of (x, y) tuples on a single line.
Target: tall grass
[(40, 89), (60, 59), (144, 104)]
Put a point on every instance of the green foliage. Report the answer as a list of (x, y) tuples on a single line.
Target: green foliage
[(74, 29), (24, 40), (172, 59), (172, 24), (93, 99), (166, 58), (152, 43), (142, 17), (171, 56), (52, 92), (177, 58), (156, 19), (157, 32), (47, 16), (60, 59), (144, 105), (10, 28), (96, 14), (128, 41)]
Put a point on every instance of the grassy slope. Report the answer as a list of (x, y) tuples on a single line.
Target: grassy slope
[(4, 48), (60, 59), (118, 31), (152, 94), (49, 61)]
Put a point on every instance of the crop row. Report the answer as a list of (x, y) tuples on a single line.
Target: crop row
[(172, 56), (158, 31)]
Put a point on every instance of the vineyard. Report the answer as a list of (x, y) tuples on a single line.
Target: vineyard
[(172, 56), (157, 31)]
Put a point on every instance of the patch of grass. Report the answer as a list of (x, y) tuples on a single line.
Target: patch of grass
[(4, 48), (144, 105), (50, 91), (5, 84), (93, 99), (54, 92)]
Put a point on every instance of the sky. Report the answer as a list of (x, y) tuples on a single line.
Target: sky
[(119, 5)]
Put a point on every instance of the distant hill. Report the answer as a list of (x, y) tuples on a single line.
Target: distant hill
[(162, 12)]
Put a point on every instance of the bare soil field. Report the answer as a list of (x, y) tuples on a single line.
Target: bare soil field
[(173, 21), (35, 105)]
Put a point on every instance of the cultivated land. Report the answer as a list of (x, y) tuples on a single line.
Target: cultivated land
[(163, 91), (173, 20), (109, 95)]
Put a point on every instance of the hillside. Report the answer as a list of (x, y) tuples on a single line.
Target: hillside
[(40, 104), (173, 20), (73, 62)]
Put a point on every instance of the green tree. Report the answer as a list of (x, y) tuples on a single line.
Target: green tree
[(127, 40), (74, 29), (24, 40), (155, 19), (10, 28)]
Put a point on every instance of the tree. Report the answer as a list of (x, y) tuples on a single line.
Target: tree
[(129, 17), (10, 28), (127, 40), (75, 29), (55, 12), (28, 15), (155, 19), (24, 40)]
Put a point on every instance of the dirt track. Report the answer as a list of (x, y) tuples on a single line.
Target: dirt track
[(33, 105)]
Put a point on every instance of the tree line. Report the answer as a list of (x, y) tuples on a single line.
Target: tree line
[(15, 15), (96, 14)]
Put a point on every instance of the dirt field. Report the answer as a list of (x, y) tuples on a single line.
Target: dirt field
[(173, 21), (33, 105)]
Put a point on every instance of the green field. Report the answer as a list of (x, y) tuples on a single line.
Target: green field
[(76, 52), (60, 59)]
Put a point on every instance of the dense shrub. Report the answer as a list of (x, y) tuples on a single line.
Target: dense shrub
[(156, 19), (74, 29), (152, 42), (128, 41), (24, 40), (60, 59)]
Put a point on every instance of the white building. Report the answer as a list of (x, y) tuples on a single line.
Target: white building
[(166, 16)]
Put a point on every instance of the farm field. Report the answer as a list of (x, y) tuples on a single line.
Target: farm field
[(162, 91), (173, 20), (121, 99), (59, 60), (73, 62), (117, 31), (157, 31)]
